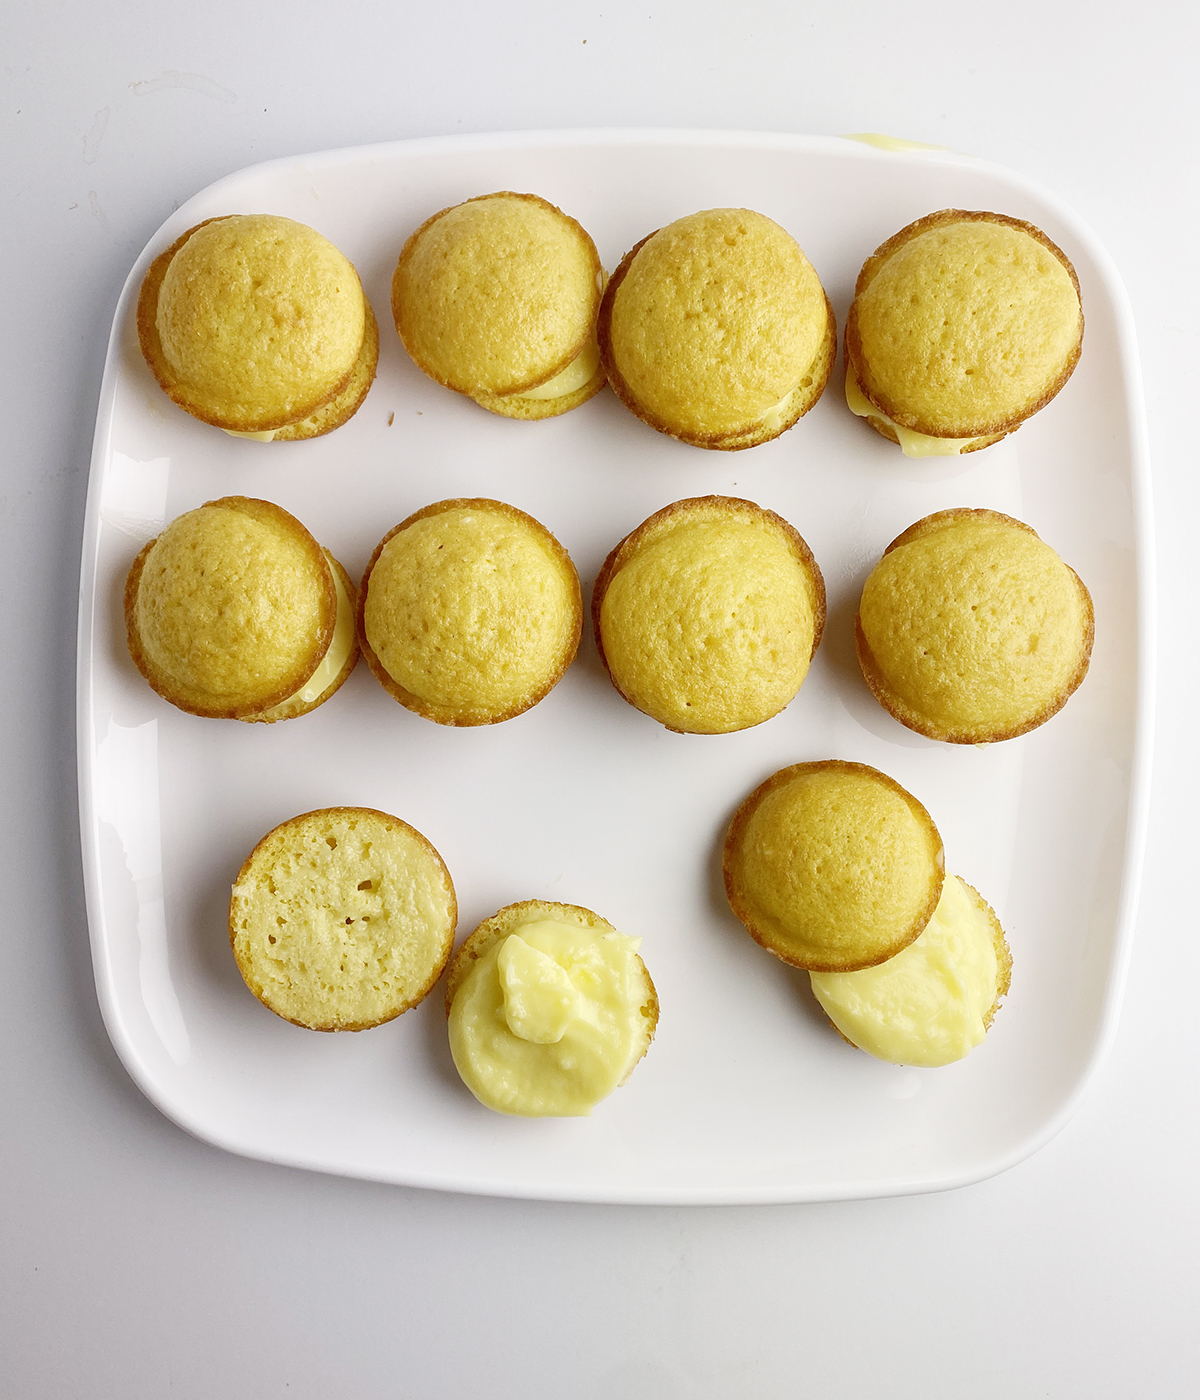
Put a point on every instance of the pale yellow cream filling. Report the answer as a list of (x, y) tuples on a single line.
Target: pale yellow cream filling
[(926, 1006), (335, 656), (578, 373), (776, 416), (548, 1021), (267, 436), (911, 444), (891, 143)]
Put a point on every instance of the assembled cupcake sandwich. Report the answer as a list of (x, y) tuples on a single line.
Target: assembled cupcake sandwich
[(708, 614), (497, 299), (963, 325), (835, 868), (469, 612), (716, 330), (258, 325), (971, 629), (236, 612)]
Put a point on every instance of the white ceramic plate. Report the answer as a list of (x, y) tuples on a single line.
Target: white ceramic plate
[(746, 1094)]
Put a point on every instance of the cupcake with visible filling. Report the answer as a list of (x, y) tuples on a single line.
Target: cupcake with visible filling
[(497, 299), (469, 612), (708, 614), (258, 325), (236, 612), (971, 629), (716, 330), (342, 919), (933, 1002), (833, 866), (963, 325), (549, 1010)]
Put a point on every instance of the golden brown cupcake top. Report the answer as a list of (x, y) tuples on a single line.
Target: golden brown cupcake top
[(230, 610), (256, 323), (497, 296), (708, 614), (469, 612), (963, 324), (716, 330), (971, 629), (833, 866)]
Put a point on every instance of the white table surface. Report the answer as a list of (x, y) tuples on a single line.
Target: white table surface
[(138, 1262)]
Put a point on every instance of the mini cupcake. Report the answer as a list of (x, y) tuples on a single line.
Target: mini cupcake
[(549, 1010), (342, 919), (716, 330), (236, 612), (497, 299), (934, 1002), (963, 325), (833, 866), (469, 612), (258, 325), (971, 629), (708, 614)]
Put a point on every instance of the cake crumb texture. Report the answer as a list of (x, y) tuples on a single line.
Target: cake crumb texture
[(341, 919)]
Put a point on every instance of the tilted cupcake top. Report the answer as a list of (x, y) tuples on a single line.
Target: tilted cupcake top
[(256, 324), (716, 330), (963, 324), (496, 298), (833, 866), (971, 629), (708, 614)]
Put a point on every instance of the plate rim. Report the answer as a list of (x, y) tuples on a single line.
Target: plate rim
[(1141, 738)]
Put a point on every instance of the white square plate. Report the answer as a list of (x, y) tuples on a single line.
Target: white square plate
[(747, 1094)]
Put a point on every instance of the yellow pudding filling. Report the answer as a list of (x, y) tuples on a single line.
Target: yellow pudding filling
[(891, 143), (930, 1004), (777, 415), (579, 372), (911, 444), (267, 436), (548, 1022), (336, 655)]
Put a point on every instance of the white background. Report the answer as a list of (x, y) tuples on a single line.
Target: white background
[(137, 1262)]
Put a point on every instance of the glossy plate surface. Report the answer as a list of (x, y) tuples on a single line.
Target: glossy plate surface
[(747, 1094)]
